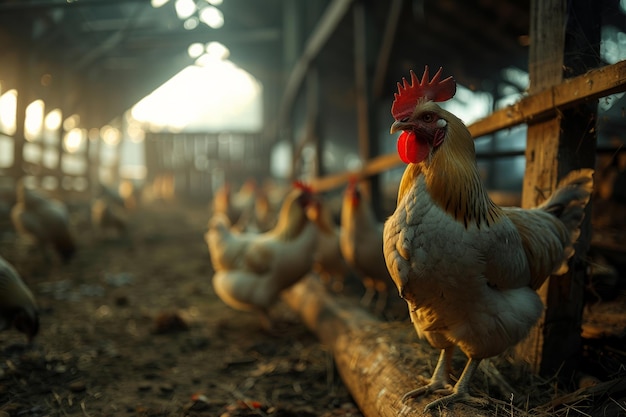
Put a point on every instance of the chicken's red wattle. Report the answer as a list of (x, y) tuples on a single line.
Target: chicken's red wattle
[(411, 149)]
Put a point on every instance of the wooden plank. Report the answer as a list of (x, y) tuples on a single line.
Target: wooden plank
[(374, 166), (543, 104)]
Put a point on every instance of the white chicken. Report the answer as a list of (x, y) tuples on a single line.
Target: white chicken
[(467, 268), (17, 304), (361, 242), (251, 270), (239, 206), (44, 219)]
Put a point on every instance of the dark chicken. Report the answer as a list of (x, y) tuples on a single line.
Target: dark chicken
[(17, 304), (44, 219)]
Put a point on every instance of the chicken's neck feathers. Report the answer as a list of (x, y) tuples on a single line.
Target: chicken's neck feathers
[(452, 178), (291, 220)]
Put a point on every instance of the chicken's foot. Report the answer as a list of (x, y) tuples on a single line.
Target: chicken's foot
[(460, 393), (439, 381)]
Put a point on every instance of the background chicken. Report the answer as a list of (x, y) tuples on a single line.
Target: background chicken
[(252, 269), (109, 212), (329, 263), (256, 213), (17, 305), (239, 207), (361, 242), (44, 219), (7, 201), (264, 212), (468, 269)]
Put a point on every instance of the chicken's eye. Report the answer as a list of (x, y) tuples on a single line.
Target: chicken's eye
[(428, 117)]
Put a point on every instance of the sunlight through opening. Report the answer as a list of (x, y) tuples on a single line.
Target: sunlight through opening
[(8, 108), (33, 123), (214, 95)]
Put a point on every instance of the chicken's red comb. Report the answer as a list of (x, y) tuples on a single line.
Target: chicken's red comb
[(408, 95), (302, 186)]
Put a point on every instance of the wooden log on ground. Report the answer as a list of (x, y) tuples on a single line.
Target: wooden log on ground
[(375, 359)]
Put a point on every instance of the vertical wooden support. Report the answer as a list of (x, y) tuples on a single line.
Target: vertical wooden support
[(386, 45), (24, 95), (364, 64), (17, 170), (555, 147), (93, 161), (292, 45), (65, 85), (58, 170), (360, 80)]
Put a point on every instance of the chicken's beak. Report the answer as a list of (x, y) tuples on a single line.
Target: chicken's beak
[(398, 126)]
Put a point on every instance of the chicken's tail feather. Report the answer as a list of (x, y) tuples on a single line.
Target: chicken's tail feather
[(568, 204), (570, 198)]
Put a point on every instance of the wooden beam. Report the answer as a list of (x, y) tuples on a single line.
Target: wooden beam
[(310, 135), (585, 88), (374, 166), (329, 21), (391, 27), (543, 104), (46, 4), (366, 353), (360, 81)]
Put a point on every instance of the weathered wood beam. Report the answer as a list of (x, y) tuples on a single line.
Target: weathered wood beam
[(309, 135), (329, 21), (143, 39), (590, 86), (374, 166), (45, 4), (389, 35), (366, 354), (360, 81)]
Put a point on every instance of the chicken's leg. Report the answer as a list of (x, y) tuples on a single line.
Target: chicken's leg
[(381, 302), (460, 393), (370, 292), (439, 381)]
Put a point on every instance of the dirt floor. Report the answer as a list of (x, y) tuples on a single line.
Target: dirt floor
[(133, 328)]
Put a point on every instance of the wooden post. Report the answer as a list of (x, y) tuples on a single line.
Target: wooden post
[(365, 36), (554, 147), (24, 96)]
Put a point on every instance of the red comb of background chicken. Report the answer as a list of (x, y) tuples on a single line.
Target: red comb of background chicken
[(407, 96), (302, 186)]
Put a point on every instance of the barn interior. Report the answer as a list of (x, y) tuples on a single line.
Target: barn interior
[(285, 91)]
